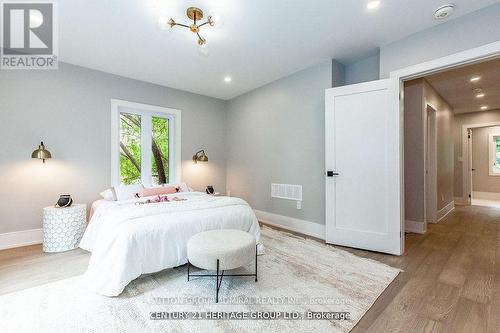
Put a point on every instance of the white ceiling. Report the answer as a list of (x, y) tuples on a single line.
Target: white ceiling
[(455, 87), (259, 41)]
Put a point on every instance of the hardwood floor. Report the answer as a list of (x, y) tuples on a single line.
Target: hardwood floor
[(450, 283)]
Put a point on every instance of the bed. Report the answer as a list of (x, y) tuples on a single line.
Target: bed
[(128, 239)]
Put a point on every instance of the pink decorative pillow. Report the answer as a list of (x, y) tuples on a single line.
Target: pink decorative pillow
[(149, 192)]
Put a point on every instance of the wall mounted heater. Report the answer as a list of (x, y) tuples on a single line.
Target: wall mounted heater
[(286, 191)]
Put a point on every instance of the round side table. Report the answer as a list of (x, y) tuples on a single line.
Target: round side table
[(63, 227)]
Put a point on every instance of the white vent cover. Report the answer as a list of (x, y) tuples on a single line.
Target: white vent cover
[(286, 191)]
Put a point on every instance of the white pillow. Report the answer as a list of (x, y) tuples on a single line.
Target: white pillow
[(126, 192), (108, 194)]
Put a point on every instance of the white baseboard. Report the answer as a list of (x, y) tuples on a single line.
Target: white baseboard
[(486, 195), (301, 226), (460, 201), (445, 211), (20, 238), (415, 227)]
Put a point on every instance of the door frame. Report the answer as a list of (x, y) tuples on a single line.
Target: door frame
[(477, 54), (430, 173), (467, 160)]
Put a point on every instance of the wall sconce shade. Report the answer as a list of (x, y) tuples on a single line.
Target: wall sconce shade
[(41, 153), (200, 156)]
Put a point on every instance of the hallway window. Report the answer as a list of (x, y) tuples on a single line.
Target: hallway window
[(494, 143)]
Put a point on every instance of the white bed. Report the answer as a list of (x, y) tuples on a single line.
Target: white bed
[(127, 240)]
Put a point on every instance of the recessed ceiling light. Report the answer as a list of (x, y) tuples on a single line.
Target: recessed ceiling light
[(373, 4), (478, 92), (484, 107), (475, 78), (228, 79), (444, 12)]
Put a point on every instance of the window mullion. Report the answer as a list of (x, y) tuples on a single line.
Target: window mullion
[(146, 141)]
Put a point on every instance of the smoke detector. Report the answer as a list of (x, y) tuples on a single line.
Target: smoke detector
[(444, 12)]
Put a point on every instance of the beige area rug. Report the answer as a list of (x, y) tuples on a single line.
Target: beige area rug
[(296, 276)]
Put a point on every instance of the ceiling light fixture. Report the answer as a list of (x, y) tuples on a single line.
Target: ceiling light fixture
[(195, 14), (228, 79), (484, 107), (475, 78), (373, 4), (444, 12)]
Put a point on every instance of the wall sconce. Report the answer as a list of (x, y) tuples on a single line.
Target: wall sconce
[(200, 156), (41, 153)]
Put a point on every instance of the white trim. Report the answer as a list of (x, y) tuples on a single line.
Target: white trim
[(486, 195), (175, 128), (289, 223), (466, 158), (417, 227), (460, 201), (14, 239), (441, 214), (469, 56), (492, 153)]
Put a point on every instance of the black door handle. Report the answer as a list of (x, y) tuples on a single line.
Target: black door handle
[(331, 173)]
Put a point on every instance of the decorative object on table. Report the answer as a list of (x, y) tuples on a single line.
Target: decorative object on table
[(200, 156), (195, 14), (210, 189), (63, 227), (221, 250), (41, 153), (64, 201)]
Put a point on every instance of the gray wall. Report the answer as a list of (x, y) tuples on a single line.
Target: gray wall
[(472, 30), (468, 119), (69, 109), (481, 179), (276, 135), (418, 94), (445, 143), (363, 70), (414, 152)]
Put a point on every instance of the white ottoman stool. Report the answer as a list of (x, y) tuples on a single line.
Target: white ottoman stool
[(221, 250)]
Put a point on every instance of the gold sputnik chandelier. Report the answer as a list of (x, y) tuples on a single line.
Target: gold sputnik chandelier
[(196, 15)]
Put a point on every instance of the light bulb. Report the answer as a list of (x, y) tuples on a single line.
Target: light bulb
[(203, 49), (163, 23)]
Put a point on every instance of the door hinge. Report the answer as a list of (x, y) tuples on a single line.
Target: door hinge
[(470, 196)]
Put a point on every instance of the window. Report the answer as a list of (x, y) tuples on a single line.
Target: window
[(494, 147), (145, 141)]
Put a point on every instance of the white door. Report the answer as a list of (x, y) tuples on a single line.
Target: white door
[(363, 163)]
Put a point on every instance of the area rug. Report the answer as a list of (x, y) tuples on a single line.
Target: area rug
[(303, 286)]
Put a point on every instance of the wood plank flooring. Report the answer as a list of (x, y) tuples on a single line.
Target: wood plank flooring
[(450, 283)]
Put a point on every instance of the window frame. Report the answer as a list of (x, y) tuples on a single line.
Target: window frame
[(492, 153), (146, 111)]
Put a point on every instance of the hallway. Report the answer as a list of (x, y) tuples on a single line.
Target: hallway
[(451, 278)]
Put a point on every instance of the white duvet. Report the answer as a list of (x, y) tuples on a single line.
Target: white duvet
[(127, 240)]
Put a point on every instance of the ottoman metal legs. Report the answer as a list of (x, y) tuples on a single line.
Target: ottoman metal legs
[(220, 274)]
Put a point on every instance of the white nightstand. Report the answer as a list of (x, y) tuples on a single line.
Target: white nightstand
[(63, 227)]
